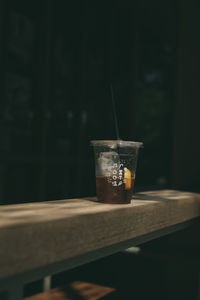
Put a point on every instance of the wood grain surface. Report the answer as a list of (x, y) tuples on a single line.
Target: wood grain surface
[(37, 234)]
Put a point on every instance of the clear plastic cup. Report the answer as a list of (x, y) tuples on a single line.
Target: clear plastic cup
[(115, 164)]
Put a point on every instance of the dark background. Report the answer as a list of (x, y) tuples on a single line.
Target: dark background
[(57, 61)]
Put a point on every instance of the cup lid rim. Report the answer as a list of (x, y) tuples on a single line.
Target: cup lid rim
[(115, 143)]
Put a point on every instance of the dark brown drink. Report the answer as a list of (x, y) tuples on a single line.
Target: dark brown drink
[(109, 193)]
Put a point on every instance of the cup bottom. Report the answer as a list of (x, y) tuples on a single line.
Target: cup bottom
[(107, 193)]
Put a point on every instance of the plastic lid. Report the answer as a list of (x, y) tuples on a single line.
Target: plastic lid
[(116, 143)]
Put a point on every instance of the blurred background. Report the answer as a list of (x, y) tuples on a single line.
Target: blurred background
[(58, 59)]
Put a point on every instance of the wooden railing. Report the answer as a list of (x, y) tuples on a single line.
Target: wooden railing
[(41, 239)]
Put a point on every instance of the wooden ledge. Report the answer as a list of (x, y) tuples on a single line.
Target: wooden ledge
[(36, 235)]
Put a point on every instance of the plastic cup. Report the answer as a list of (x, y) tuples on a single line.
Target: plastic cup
[(115, 165)]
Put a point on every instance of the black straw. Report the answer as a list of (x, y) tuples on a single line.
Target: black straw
[(114, 113)]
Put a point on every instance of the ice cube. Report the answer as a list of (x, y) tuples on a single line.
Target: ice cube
[(109, 162)]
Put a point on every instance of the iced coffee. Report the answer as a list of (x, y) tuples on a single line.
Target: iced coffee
[(115, 163)]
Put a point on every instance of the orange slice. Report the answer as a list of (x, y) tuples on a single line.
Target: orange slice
[(127, 177)]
